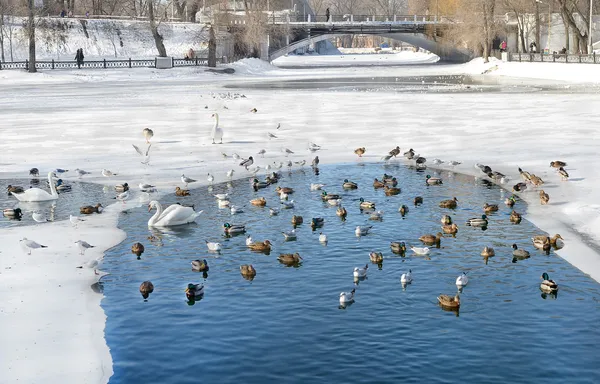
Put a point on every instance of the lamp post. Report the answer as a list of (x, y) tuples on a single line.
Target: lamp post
[(590, 47)]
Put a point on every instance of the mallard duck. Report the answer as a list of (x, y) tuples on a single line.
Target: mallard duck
[(449, 301), (184, 192), (519, 187), (360, 151), (433, 180), (361, 231), (391, 191), (431, 239), (366, 204), (121, 187), (259, 184), (341, 212), (290, 258), (289, 235), (548, 285), (60, 186), (564, 175), (544, 197), (420, 251), (496, 176), (325, 196), (398, 247), (490, 208), (14, 188), (526, 176), (146, 288), (317, 222), (488, 252), (515, 217), (446, 220), (536, 180), (542, 243), (449, 203), (264, 246), (260, 202), (387, 178), (34, 172), (248, 271), (12, 213), (349, 184), (347, 297), (200, 266), (194, 291), (478, 222), (403, 210), (517, 252), (391, 182), (409, 154), (296, 220), (395, 152), (233, 229), (137, 249), (558, 164), (451, 229), (88, 209), (510, 201), (553, 239), (406, 278), (286, 190), (462, 280), (378, 184), (376, 257), (361, 272)]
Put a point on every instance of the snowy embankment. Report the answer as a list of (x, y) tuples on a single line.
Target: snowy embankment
[(353, 59), (51, 320)]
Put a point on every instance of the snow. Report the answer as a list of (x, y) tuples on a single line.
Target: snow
[(353, 59), (52, 324)]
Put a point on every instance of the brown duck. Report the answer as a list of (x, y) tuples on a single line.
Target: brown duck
[(146, 288), (248, 271), (515, 217), (450, 228), (261, 202), (258, 246), (487, 208), (449, 203), (137, 249), (88, 209), (360, 151), (297, 220), (391, 191), (181, 192), (449, 301), (290, 258), (544, 198), (378, 184)]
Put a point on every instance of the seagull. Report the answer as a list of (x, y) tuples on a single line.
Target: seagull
[(81, 172), (145, 187), (361, 231), (235, 210), (60, 170), (75, 220), (249, 240), (437, 161), (300, 163), (262, 152), (361, 272), (123, 196), (287, 151), (222, 196), (107, 173), (347, 297), (225, 156), (290, 235), (420, 251), (406, 278), (235, 156), (39, 217), (141, 153), (454, 163), (316, 187), (215, 247), (288, 204), (187, 180), (322, 237), (248, 162), (313, 146), (315, 162), (83, 246), (210, 178), (278, 125), (92, 264), (273, 211), (271, 136), (30, 244), (289, 165), (230, 174), (278, 166)]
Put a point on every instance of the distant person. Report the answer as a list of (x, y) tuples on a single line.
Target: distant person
[(71, 13), (503, 46), (533, 47), (79, 57), (563, 51), (63, 13), (327, 14), (87, 14)]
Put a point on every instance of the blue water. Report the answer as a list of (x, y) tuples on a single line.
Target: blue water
[(286, 325)]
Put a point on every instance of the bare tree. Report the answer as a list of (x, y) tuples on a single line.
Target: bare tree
[(520, 8), (567, 9), (158, 38), (31, 35)]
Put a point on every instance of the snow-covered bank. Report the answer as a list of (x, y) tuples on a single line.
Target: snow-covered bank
[(395, 58), (97, 115)]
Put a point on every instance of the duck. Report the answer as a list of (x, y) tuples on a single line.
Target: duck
[(296, 220), (420, 251), (478, 222), (398, 247), (341, 212), (519, 187), (259, 202), (213, 246), (395, 152), (526, 176), (548, 285), (564, 175), (487, 208), (385, 178), (553, 239), (137, 249), (234, 229), (182, 192), (376, 257), (558, 164), (517, 252), (349, 184), (290, 258), (449, 203), (378, 184), (148, 133), (146, 288), (536, 180), (393, 182), (199, 266), (361, 272), (120, 187), (286, 190), (322, 238), (544, 197), (446, 220), (510, 201), (88, 209), (366, 204), (488, 252), (462, 280), (391, 191), (406, 278), (431, 239), (360, 151), (34, 172), (347, 297), (515, 217), (60, 186), (496, 176), (403, 210), (194, 291), (316, 187), (248, 271), (265, 246), (361, 231), (289, 235), (12, 213), (14, 188), (542, 243), (449, 301), (451, 229), (259, 184), (317, 222), (409, 154), (325, 196), (433, 180)]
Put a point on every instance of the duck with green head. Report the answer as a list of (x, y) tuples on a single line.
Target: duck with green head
[(548, 285), (478, 222), (366, 204), (194, 291), (403, 210), (349, 184), (326, 196), (234, 229), (433, 180)]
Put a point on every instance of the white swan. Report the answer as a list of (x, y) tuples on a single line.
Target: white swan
[(174, 215), (37, 194), (462, 280), (217, 133)]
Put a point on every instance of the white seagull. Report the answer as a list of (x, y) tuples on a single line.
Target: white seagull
[(222, 196), (406, 278), (322, 237), (462, 280), (361, 231), (210, 178), (420, 251), (81, 172), (230, 174), (83, 246), (361, 272), (122, 196), (290, 235), (215, 247), (187, 180), (30, 244), (75, 220), (107, 173), (347, 297), (39, 217)]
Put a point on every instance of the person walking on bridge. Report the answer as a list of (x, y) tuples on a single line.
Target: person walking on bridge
[(327, 14)]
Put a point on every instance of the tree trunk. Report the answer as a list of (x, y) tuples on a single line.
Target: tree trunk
[(31, 32), (212, 48), (2, 36), (538, 32), (158, 39)]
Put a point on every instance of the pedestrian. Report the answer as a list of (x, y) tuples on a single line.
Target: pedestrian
[(503, 46), (79, 57), (87, 14), (63, 13), (327, 14), (533, 47)]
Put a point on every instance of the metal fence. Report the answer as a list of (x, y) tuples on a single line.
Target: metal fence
[(105, 64), (554, 58)]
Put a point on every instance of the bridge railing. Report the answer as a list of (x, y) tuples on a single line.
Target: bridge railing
[(554, 58), (347, 18), (105, 64)]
